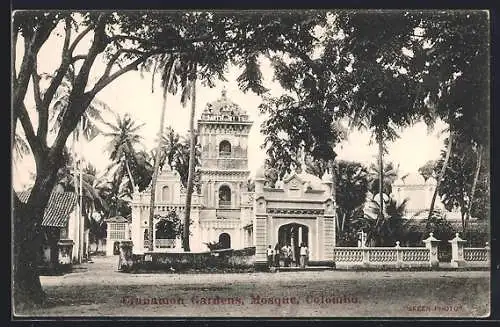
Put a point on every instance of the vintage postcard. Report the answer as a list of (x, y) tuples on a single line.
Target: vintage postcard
[(286, 163)]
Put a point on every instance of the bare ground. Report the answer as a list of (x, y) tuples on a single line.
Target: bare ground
[(97, 289)]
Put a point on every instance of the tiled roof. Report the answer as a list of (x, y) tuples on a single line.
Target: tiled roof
[(60, 205)]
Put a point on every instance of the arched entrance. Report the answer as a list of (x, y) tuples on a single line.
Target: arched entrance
[(225, 241), (293, 234)]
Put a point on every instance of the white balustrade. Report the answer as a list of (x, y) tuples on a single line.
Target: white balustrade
[(397, 256), (477, 256)]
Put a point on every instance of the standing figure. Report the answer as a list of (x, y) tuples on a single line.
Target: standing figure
[(297, 255), (304, 251), (287, 254), (269, 252), (277, 255)]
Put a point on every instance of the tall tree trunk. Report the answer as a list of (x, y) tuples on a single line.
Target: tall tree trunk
[(75, 185), (474, 182), (156, 167), (343, 222), (81, 236), (380, 176), (129, 173), (27, 289), (190, 182), (27, 236), (334, 180), (441, 174), (333, 171)]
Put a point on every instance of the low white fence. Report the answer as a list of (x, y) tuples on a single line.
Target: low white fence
[(468, 257), (400, 257), (396, 257)]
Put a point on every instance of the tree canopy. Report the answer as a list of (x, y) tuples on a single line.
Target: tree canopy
[(383, 72)]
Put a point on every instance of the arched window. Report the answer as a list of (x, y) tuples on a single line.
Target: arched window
[(224, 196), (224, 149), (225, 241), (165, 195)]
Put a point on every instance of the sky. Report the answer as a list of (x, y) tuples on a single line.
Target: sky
[(132, 93)]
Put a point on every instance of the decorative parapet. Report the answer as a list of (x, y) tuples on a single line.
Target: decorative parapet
[(295, 211), (396, 257), (477, 256)]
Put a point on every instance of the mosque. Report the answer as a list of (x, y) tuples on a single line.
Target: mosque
[(300, 209), (225, 211)]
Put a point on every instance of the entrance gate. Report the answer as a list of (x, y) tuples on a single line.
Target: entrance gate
[(293, 234)]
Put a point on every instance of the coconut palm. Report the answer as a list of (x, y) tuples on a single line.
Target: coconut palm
[(91, 199), (171, 148), (383, 228), (389, 175), (168, 64), (122, 146), (178, 73), (89, 123)]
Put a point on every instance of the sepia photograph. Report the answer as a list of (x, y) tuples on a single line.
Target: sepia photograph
[(250, 163)]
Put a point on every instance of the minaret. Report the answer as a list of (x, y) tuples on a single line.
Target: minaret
[(223, 130)]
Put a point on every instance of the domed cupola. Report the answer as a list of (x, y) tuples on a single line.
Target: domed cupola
[(223, 109)]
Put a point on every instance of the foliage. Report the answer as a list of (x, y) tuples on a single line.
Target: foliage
[(383, 229), (428, 169), (116, 197), (175, 153), (21, 147), (141, 169), (127, 161), (439, 226), (389, 174), (316, 167), (66, 178), (214, 245), (97, 230), (250, 185), (211, 40), (351, 187), (88, 125), (383, 72), (456, 186), (123, 137), (169, 226)]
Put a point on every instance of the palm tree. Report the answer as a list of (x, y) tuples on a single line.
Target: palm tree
[(171, 150), (88, 127), (386, 227), (91, 199), (440, 178), (192, 149), (180, 73), (389, 175), (167, 76), (122, 146)]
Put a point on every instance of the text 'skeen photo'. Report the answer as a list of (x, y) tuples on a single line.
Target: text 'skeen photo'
[(272, 163)]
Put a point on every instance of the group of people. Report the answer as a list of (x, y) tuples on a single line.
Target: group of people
[(286, 253)]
